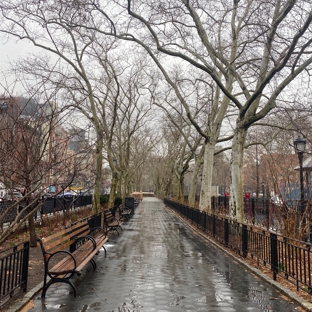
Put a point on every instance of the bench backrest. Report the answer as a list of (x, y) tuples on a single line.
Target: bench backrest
[(108, 216), (62, 239)]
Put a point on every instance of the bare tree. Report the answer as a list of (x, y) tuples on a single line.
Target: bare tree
[(78, 58), (190, 148), (25, 159), (252, 50), (272, 163), (248, 54)]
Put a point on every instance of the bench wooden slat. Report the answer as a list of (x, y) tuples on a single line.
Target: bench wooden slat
[(77, 244), (111, 222), (65, 237)]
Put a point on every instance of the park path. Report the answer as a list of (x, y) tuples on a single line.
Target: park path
[(158, 264)]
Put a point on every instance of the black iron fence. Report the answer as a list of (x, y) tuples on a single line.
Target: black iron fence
[(14, 263), (13, 270), (261, 211), (53, 204), (285, 257), (49, 206)]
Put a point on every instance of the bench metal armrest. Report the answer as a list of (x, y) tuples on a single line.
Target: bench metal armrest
[(79, 241), (92, 230), (67, 253)]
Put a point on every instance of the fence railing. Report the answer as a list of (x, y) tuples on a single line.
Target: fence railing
[(53, 204), (261, 211), (14, 263), (49, 206), (285, 257), (13, 270)]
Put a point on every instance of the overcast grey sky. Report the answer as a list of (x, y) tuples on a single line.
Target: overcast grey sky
[(12, 50), (9, 52)]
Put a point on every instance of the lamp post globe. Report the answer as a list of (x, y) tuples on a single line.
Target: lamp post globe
[(300, 144)]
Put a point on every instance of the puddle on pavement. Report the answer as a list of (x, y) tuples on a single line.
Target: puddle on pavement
[(94, 306)]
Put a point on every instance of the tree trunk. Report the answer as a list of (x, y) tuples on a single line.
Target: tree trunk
[(113, 189), (32, 231), (236, 188), (98, 175), (193, 185), (192, 191), (181, 189), (169, 188), (176, 189), (205, 192)]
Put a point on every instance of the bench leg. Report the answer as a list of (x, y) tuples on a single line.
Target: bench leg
[(57, 280), (93, 264), (104, 250), (113, 229)]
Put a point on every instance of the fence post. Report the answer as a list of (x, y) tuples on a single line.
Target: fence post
[(253, 210), (226, 231), (267, 213), (198, 218), (213, 225), (274, 255), (244, 240), (226, 203), (25, 265)]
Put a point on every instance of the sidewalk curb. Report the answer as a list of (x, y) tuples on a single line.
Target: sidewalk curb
[(290, 294), (17, 306)]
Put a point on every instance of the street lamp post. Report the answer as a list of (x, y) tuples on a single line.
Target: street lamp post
[(300, 145)]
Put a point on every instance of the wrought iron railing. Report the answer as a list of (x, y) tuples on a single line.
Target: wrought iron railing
[(288, 258), (13, 270), (49, 206)]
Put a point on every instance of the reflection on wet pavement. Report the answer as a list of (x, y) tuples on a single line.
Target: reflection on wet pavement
[(157, 264)]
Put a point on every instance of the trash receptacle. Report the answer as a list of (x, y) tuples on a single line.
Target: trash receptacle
[(129, 202)]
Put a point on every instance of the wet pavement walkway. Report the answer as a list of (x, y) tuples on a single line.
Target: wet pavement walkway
[(158, 264)]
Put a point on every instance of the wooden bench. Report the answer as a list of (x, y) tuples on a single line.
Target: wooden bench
[(125, 212), (136, 202), (66, 253), (111, 222)]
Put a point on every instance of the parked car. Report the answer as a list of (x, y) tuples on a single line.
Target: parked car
[(48, 195), (65, 194), (13, 196)]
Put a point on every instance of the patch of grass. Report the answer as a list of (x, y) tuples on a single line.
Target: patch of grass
[(74, 218), (281, 267)]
